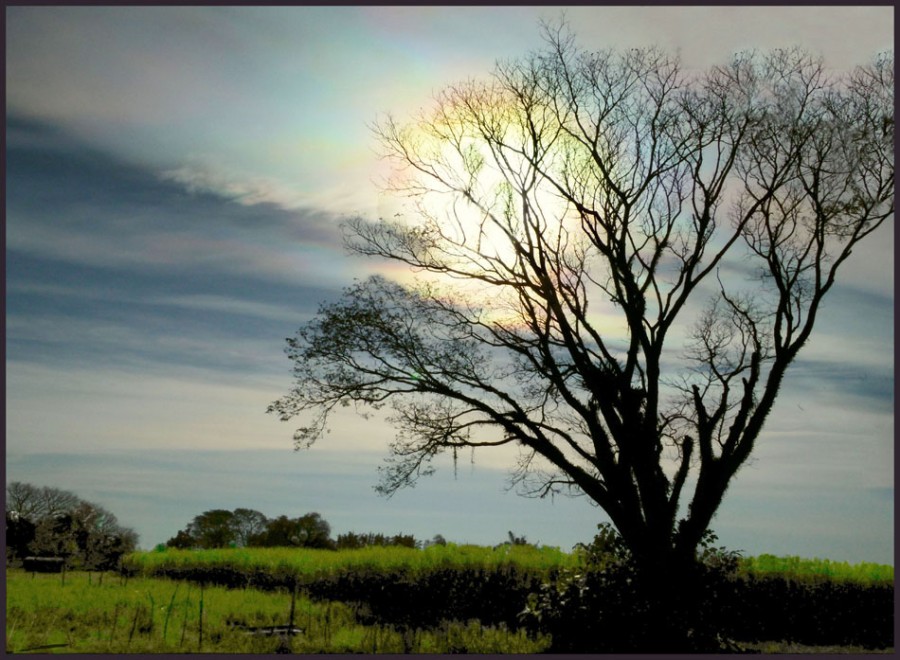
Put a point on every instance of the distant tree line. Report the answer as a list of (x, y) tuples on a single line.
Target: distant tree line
[(220, 528), (49, 522)]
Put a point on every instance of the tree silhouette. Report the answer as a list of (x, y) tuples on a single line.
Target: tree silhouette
[(182, 540), (309, 530), (47, 521), (246, 523), (617, 261), (37, 502), (212, 529)]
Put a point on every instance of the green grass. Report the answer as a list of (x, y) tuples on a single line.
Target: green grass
[(308, 563), (139, 615), (797, 568), (85, 614), (314, 563), (108, 613)]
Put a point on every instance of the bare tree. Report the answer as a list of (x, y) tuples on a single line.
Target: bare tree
[(34, 503), (617, 262), (247, 523)]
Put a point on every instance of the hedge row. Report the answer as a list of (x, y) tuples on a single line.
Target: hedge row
[(398, 597), (423, 601), (747, 609), (813, 613)]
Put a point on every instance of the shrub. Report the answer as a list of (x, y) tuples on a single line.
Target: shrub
[(610, 606)]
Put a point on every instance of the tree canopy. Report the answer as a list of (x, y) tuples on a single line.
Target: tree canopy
[(616, 262)]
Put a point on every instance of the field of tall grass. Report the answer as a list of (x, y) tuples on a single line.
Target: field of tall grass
[(107, 613), (310, 563), (797, 568), (142, 611)]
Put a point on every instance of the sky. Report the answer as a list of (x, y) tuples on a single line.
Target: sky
[(175, 181)]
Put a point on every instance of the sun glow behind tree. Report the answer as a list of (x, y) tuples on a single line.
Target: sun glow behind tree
[(476, 208), (494, 179)]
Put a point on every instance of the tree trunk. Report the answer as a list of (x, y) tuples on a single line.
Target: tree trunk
[(669, 590), (670, 597)]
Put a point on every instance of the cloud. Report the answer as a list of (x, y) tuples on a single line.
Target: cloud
[(70, 201), (844, 385), (199, 177), (230, 305), (71, 315), (107, 407), (109, 264)]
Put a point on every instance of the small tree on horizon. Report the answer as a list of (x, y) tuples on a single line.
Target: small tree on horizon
[(616, 263), (212, 529), (309, 531), (182, 541), (246, 523)]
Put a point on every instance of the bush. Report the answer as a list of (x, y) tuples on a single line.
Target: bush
[(84, 535), (811, 612), (602, 609), (611, 606)]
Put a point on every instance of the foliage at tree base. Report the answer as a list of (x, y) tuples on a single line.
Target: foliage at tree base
[(607, 611)]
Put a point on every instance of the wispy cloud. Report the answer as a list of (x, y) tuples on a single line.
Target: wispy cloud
[(111, 267), (67, 200), (230, 305), (106, 407), (205, 178)]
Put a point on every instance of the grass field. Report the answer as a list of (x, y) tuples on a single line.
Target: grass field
[(87, 613), (80, 612), (313, 563), (814, 569)]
